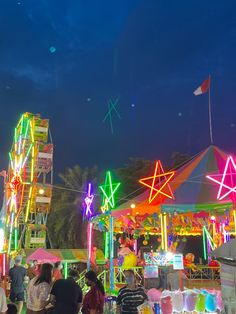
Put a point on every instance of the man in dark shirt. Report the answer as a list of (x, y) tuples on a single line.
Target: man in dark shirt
[(67, 295), (17, 276)]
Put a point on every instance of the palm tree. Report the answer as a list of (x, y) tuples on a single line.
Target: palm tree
[(66, 226)]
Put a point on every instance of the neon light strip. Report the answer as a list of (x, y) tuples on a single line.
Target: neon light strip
[(111, 227), (15, 135), (26, 129), (16, 239), (28, 205), (32, 165), (90, 240), (11, 160), (20, 141), (66, 270), (22, 116), (165, 233), (27, 155), (106, 236), (211, 242), (4, 265), (162, 233), (89, 244), (204, 244)]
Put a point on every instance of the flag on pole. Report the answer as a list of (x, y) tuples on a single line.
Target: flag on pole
[(203, 88)]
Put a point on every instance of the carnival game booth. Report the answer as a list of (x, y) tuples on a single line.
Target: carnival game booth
[(195, 200), (226, 254)]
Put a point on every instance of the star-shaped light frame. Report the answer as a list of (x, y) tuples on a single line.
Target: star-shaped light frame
[(165, 179), (230, 189), (88, 201), (109, 189)]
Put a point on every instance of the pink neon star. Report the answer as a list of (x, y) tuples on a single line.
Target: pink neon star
[(228, 179)]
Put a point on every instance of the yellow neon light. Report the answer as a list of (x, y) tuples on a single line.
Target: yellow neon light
[(165, 232), (32, 165), (28, 205)]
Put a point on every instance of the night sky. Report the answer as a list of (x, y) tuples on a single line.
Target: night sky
[(65, 59)]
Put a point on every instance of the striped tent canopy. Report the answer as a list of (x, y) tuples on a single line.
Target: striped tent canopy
[(193, 192), (71, 255)]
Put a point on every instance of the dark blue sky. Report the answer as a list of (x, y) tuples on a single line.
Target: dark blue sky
[(150, 53)]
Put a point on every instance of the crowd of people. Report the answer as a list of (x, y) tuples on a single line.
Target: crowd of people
[(48, 293)]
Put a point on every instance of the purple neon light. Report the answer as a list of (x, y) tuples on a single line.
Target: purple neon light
[(88, 201)]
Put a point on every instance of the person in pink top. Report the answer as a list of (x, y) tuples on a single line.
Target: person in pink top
[(57, 274)]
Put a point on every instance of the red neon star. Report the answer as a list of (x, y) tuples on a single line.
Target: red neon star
[(157, 187), (227, 181)]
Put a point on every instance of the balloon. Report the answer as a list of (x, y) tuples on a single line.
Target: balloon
[(130, 261)]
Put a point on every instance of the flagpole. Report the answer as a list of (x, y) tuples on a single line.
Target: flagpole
[(210, 114)]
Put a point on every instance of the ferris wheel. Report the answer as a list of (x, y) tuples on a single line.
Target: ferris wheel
[(28, 186)]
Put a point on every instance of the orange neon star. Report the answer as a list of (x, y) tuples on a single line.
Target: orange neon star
[(159, 187)]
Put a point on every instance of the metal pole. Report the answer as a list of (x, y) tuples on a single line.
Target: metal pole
[(210, 114)]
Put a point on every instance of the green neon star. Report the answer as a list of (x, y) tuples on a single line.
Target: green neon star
[(109, 189), (112, 108)]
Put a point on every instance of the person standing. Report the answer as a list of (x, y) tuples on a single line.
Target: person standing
[(131, 296), (38, 290), (17, 276), (57, 274), (93, 302), (3, 301), (67, 295)]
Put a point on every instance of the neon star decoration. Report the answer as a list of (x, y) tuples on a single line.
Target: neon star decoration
[(88, 202), (227, 180), (112, 107), (108, 190), (159, 183), (105, 208)]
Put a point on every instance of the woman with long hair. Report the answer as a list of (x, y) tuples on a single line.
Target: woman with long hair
[(93, 302), (39, 289)]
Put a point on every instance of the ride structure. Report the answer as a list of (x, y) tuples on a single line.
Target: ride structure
[(28, 184)]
